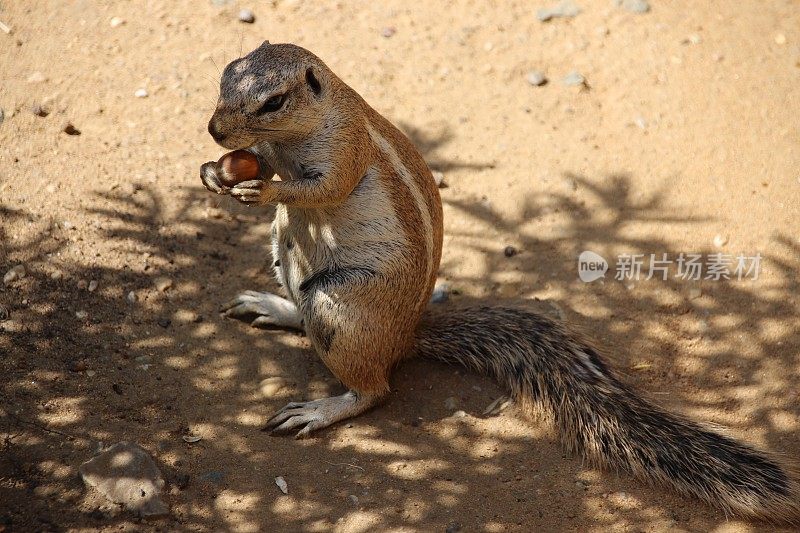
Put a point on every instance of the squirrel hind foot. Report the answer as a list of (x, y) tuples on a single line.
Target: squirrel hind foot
[(318, 414)]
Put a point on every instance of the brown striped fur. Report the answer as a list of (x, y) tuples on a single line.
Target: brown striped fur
[(357, 241)]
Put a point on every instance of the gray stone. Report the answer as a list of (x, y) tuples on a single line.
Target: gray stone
[(126, 474)]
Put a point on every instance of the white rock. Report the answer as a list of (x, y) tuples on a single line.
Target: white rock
[(15, 273), (272, 386), (92, 286), (536, 78), (131, 297), (281, 483), (438, 177), (574, 78), (247, 16), (720, 240), (36, 77), (127, 475), (140, 93), (81, 315), (117, 22), (163, 284)]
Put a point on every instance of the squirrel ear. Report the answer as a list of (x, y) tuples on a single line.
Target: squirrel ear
[(313, 82)]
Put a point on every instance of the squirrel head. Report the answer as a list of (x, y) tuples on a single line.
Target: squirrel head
[(276, 92)]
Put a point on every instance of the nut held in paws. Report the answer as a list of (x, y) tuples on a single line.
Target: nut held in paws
[(238, 166)]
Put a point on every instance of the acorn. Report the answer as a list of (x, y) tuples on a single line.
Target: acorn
[(238, 166)]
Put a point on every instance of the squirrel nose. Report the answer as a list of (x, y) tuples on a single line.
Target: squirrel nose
[(215, 133)]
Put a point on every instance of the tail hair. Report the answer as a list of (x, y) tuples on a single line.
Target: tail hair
[(604, 420)]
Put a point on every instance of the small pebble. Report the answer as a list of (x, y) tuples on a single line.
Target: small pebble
[(780, 39), (536, 78), (56, 275), (510, 251), (565, 9), (140, 93), (15, 273), (116, 22), (459, 414), (281, 483), (82, 284), (67, 225), (39, 111), (36, 77), (69, 129), (438, 177), (131, 297), (388, 31), (90, 373), (440, 294), (271, 386), (246, 16), (634, 6), (163, 284), (574, 79), (353, 500), (720, 241), (92, 286), (640, 122), (453, 527), (164, 322), (81, 315)]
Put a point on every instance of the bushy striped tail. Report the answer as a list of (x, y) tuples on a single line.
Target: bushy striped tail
[(604, 420)]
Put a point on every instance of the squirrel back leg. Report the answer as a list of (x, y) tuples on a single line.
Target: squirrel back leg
[(264, 309), (317, 414)]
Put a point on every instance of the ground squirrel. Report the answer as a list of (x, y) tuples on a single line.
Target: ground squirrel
[(356, 243)]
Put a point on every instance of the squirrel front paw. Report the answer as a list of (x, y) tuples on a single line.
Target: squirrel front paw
[(249, 192), (210, 175)]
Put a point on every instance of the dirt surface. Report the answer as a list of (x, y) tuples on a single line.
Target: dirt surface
[(686, 129)]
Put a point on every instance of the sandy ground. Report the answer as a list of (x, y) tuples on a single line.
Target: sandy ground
[(686, 129)]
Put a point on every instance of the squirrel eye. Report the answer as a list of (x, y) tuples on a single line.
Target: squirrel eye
[(273, 104)]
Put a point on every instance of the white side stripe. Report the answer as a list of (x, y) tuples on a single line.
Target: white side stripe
[(408, 180)]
